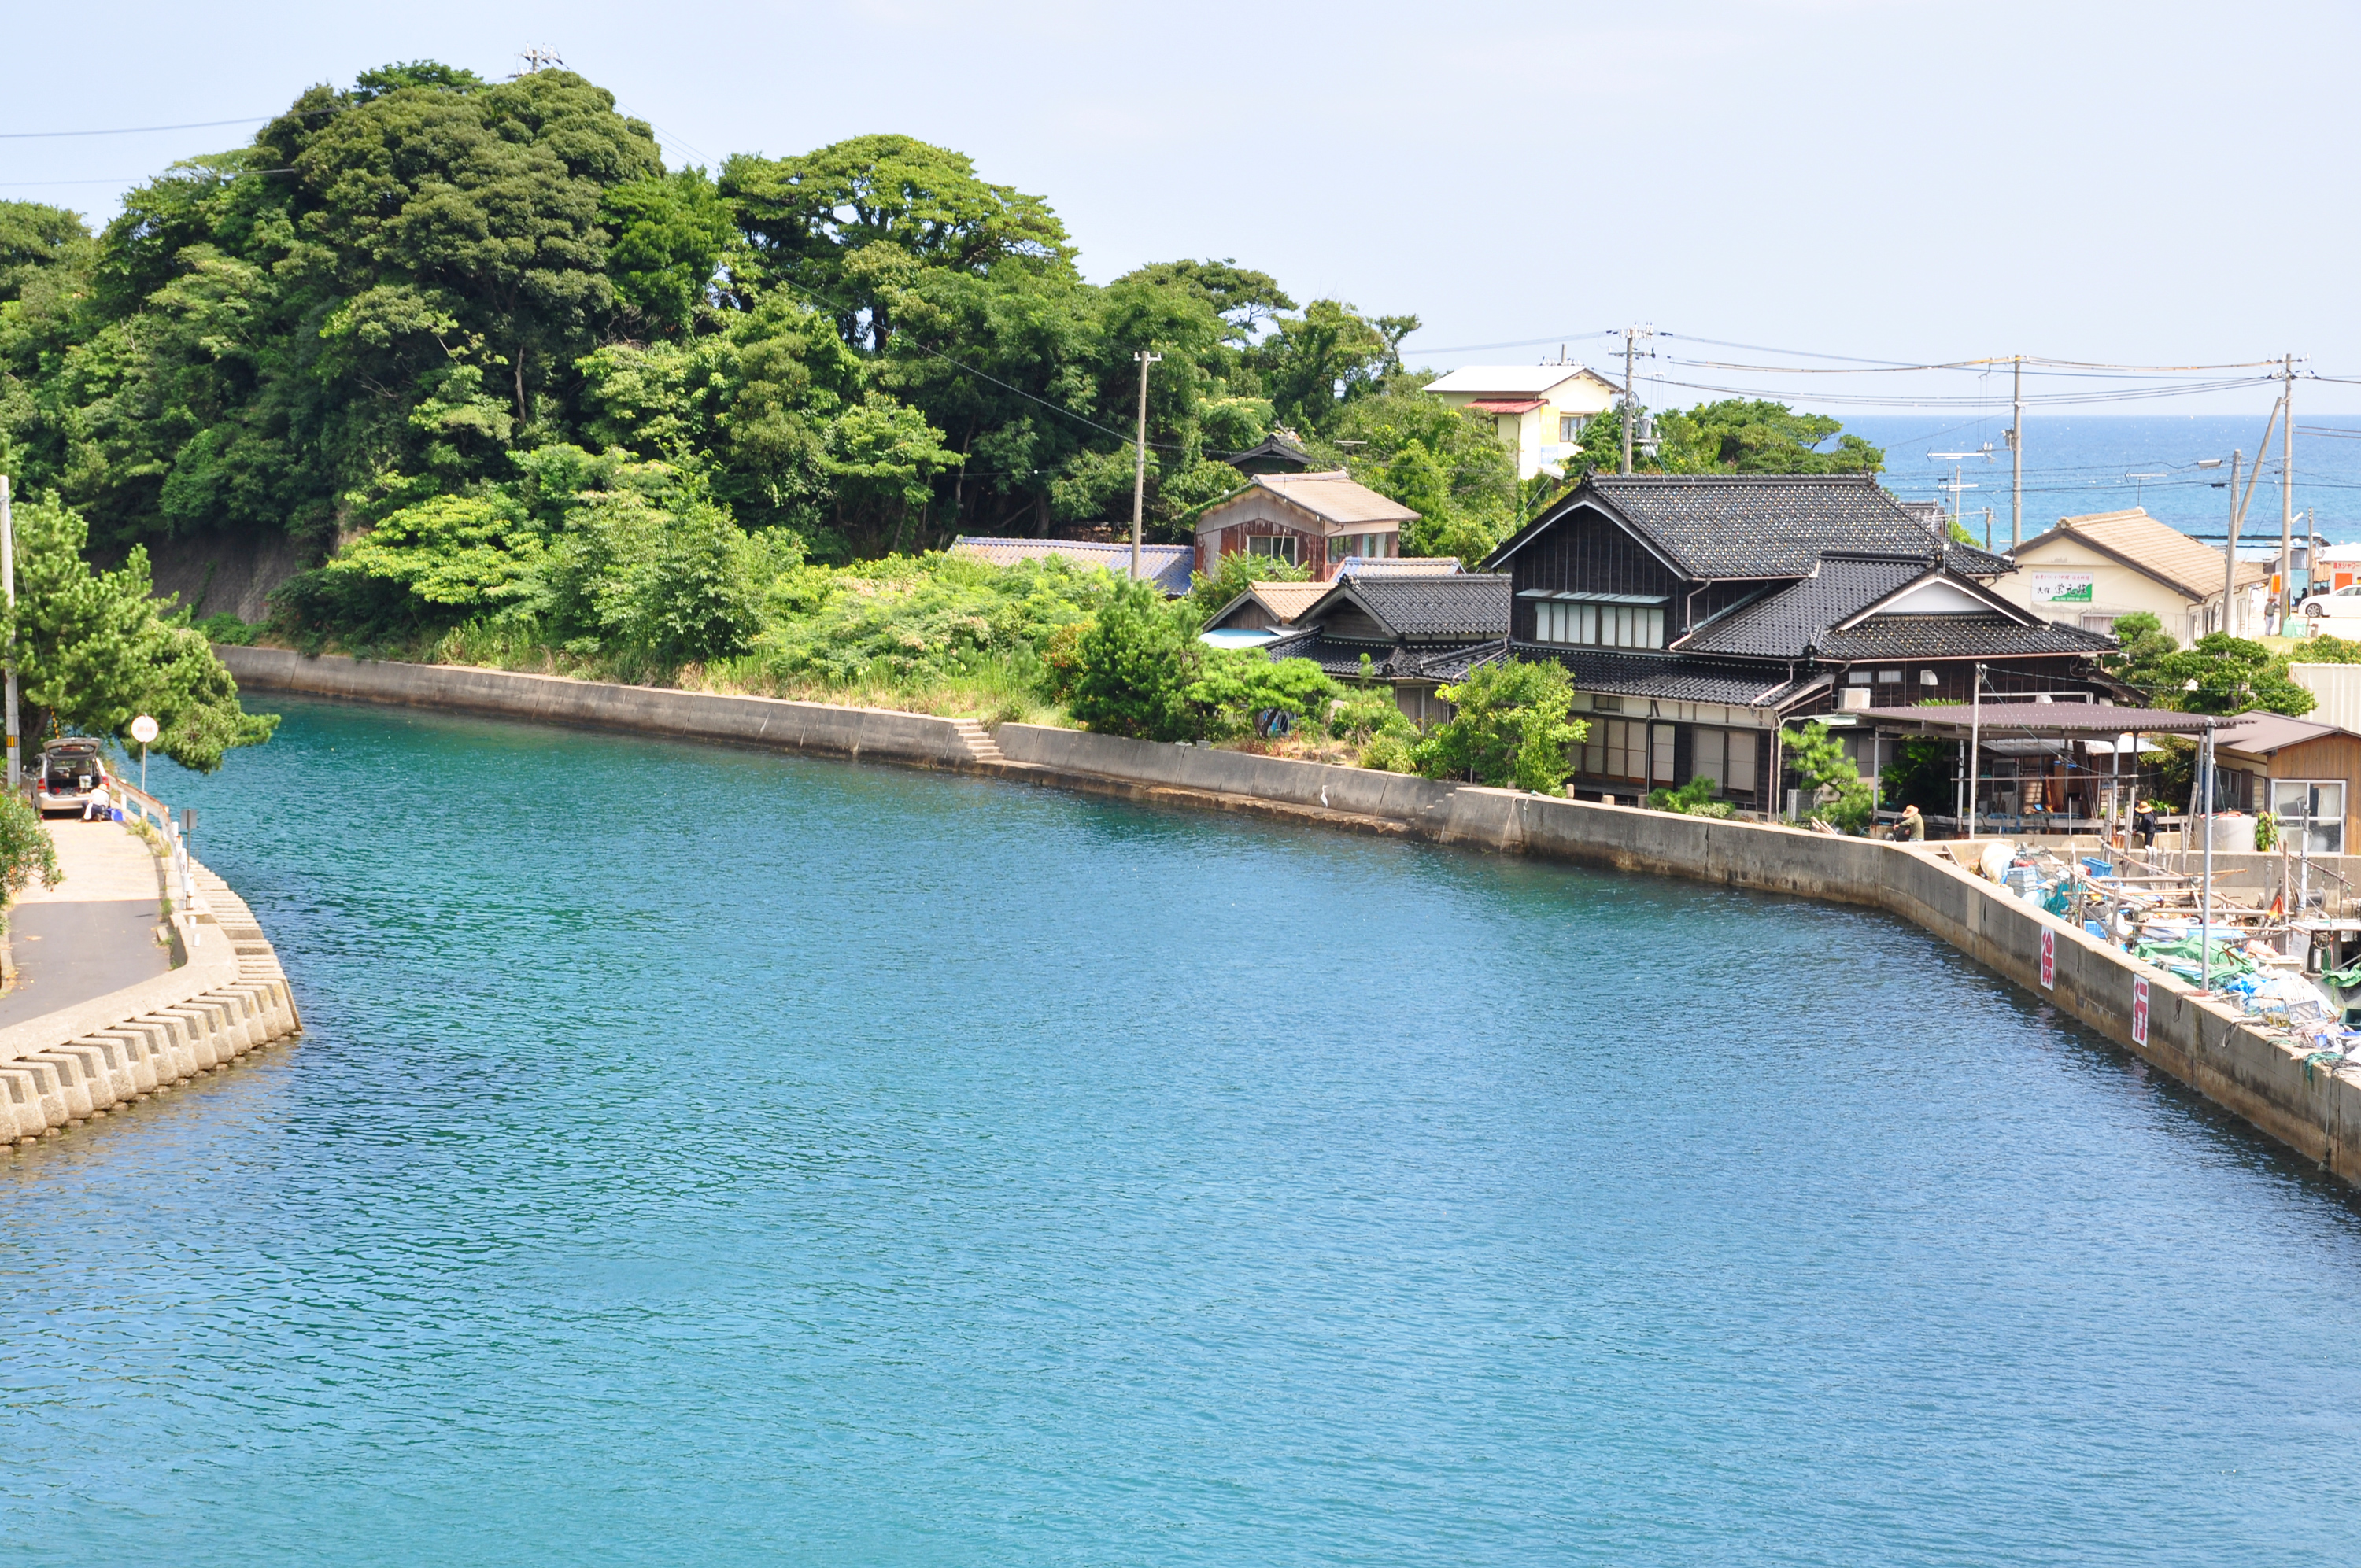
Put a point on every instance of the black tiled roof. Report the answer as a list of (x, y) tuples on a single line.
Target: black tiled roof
[(1714, 526), (1761, 525), (1459, 605), (1782, 625), (1955, 637), (1668, 676), (1342, 656)]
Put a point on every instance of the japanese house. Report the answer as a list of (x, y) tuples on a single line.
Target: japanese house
[(1697, 612), (1414, 632), (1311, 520), (2089, 570)]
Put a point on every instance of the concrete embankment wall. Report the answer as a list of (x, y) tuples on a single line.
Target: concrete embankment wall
[(230, 997), (755, 720), (2307, 1104)]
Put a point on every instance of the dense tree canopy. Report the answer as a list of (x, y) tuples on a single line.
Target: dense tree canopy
[(476, 337)]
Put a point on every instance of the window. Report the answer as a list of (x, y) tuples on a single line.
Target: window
[(1617, 749), (1598, 625), (2095, 622), (1569, 427), (1856, 677), (1368, 546), (2313, 807), (1725, 756), (1889, 677), (1285, 546)]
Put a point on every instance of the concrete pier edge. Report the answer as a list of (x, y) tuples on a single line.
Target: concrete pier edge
[(2312, 1106), (85, 1060)]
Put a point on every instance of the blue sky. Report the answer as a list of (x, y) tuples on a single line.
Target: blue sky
[(2147, 184)]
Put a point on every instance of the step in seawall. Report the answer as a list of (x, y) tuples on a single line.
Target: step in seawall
[(2310, 1104), (97, 1058)]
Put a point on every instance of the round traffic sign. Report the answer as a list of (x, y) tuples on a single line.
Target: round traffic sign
[(143, 729)]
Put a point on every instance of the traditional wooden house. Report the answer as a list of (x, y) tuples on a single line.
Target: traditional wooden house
[(1314, 520), (1414, 631), (1697, 612)]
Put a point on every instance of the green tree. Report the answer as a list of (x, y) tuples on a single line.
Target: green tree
[(2222, 673), (1817, 758), (855, 222), (669, 234), (1509, 727), (1735, 435), (1238, 689), (1232, 574), (1134, 666), (94, 650), (2142, 650), (26, 850)]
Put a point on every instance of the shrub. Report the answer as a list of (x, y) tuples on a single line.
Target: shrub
[(1693, 798), (1234, 574), (1134, 666), (1237, 689), (1388, 754), (1508, 728), (25, 848)]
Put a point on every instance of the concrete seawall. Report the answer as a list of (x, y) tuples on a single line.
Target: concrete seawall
[(878, 732), (2309, 1104), (61, 1068)]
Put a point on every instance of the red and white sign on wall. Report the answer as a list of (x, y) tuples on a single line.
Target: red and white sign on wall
[(2139, 1010), (2049, 959)]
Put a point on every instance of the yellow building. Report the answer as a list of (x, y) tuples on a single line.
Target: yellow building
[(2089, 571), (1540, 409)]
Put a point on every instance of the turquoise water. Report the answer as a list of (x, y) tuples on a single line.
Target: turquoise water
[(700, 1156)]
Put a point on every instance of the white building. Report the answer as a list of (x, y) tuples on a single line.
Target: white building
[(1540, 409)]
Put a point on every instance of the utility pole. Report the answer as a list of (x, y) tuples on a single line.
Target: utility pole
[(2016, 459), (8, 578), (2286, 493), (2230, 551), (1139, 462), (1631, 335)]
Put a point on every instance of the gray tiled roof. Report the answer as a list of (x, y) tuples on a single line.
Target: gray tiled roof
[(1342, 657), (1428, 608), (1957, 637), (1668, 676), (1783, 624), (1761, 525)]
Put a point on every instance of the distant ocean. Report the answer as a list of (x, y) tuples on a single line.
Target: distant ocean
[(2085, 463)]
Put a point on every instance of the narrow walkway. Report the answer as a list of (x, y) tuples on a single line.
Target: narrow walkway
[(94, 932)]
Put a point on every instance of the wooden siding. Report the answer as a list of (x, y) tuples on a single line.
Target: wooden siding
[(1587, 552), (2328, 757)]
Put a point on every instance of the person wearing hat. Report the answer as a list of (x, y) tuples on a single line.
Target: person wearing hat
[(1912, 829)]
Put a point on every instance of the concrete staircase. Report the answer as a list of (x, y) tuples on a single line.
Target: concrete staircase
[(980, 747)]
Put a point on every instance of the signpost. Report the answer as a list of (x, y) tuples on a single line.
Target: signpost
[(2049, 959), (2139, 1010), (143, 729)]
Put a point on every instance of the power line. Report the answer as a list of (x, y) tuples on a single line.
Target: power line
[(185, 125)]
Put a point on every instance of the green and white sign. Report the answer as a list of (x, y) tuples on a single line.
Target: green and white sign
[(2062, 587)]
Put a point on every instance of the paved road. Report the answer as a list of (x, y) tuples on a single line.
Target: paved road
[(92, 933)]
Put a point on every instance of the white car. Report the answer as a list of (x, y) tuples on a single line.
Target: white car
[(2339, 602)]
